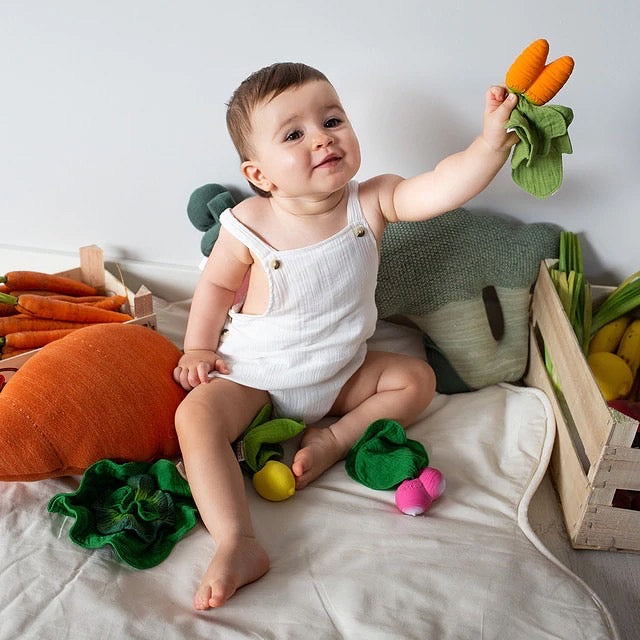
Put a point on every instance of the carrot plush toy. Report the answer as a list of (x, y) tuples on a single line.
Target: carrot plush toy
[(536, 162)]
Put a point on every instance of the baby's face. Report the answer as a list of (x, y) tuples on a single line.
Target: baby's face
[(303, 142)]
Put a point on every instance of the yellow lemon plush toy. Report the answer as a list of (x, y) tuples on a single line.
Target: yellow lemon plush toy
[(274, 481), (257, 448)]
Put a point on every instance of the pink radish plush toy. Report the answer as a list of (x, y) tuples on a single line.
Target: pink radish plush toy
[(415, 496)]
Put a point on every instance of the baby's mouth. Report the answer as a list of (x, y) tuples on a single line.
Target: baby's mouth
[(330, 161)]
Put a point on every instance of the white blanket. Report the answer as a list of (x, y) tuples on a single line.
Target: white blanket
[(345, 562)]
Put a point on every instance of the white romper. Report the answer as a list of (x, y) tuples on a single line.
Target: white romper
[(321, 310)]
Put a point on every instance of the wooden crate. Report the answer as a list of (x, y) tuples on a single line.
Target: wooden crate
[(92, 271), (592, 455)]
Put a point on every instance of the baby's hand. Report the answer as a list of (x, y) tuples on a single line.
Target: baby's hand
[(194, 368), (499, 104)]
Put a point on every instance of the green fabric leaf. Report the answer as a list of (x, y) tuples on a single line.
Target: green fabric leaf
[(526, 148), (260, 441), (561, 145), (536, 161), (542, 178), (139, 507)]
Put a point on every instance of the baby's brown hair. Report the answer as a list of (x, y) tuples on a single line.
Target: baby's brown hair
[(264, 84)]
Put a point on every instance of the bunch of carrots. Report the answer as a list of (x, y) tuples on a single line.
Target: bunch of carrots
[(37, 308), (531, 76)]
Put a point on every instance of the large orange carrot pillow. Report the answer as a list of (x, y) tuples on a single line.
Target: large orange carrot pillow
[(105, 391)]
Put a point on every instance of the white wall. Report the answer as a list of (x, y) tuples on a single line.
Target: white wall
[(111, 113)]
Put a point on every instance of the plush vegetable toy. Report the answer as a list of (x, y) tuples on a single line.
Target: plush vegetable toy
[(385, 458), (105, 391), (532, 76), (536, 162), (259, 452), (204, 208), (415, 496), (139, 509)]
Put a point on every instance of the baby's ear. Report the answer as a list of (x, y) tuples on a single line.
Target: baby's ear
[(254, 175)]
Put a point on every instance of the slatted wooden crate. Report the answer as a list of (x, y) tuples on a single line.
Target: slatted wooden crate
[(91, 270), (592, 456)]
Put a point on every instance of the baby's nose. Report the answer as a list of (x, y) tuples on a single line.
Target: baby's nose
[(321, 139)]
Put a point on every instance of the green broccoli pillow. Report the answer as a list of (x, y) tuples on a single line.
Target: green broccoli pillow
[(450, 276)]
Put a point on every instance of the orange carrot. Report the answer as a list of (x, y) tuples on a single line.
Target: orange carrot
[(28, 280), (527, 66), (68, 298), (22, 322), (7, 309), (32, 339), (550, 81), (104, 302), (38, 292), (9, 353), (112, 303), (44, 307)]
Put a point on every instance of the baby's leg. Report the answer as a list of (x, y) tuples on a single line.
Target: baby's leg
[(387, 385), (211, 417)]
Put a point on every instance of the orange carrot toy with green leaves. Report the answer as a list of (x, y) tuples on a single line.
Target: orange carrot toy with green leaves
[(531, 76), (536, 163)]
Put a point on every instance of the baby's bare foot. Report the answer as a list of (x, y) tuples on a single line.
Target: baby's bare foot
[(233, 565), (318, 451)]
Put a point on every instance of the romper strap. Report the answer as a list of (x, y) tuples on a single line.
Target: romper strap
[(355, 216), (245, 235)]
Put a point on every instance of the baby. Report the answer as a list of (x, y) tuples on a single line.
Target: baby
[(304, 253)]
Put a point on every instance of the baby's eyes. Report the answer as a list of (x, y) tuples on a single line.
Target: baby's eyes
[(332, 122), (296, 134)]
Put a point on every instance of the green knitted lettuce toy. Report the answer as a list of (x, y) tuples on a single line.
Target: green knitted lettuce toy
[(139, 509)]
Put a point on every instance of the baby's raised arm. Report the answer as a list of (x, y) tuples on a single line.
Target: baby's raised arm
[(222, 276), (458, 177)]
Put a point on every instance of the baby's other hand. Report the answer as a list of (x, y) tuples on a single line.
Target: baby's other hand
[(499, 104), (195, 366)]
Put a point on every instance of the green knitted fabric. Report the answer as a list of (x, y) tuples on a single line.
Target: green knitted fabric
[(139, 509), (536, 162), (204, 208), (427, 265), (384, 457), (433, 274)]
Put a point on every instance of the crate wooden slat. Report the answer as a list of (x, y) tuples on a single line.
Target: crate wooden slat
[(91, 270), (592, 455)]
